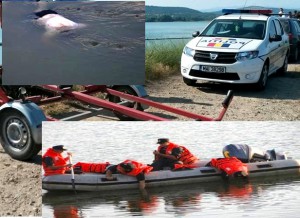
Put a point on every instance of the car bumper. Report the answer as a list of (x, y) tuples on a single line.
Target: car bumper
[(239, 72)]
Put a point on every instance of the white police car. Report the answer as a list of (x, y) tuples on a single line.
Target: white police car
[(242, 46)]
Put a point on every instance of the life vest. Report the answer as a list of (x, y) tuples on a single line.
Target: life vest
[(137, 168), (184, 166), (92, 167), (169, 148), (229, 165), (58, 160), (187, 157)]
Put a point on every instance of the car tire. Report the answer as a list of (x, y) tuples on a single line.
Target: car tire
[(263, 79), (282, 70), (16, 136), (116, 99), (189, 82)]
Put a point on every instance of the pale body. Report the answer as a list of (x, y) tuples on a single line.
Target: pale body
[(58, 22)]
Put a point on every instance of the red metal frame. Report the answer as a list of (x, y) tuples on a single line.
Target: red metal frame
[(3, 97), (85, 96)]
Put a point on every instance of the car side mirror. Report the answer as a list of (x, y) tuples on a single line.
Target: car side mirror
[(275, 38), (195, 34)]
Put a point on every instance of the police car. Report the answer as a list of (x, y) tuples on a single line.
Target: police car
[(241, 46)]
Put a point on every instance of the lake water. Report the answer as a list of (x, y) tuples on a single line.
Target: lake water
[(171, 32), (115, 142), (158, 30), (109, 49)]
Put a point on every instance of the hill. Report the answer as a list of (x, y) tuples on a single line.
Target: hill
[(170, 14)]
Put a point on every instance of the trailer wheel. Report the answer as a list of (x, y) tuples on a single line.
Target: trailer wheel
[(116, 99), (16, 136)]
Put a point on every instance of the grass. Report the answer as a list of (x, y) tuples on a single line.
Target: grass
[(58, 109), (163, 58)]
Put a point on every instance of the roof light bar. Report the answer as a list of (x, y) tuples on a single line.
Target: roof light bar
[(249, 11)]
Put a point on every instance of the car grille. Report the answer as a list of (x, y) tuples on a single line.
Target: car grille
[(223, 57), (222, 76)]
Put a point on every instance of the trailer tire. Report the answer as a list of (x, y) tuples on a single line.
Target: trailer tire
[(16, 136), (116, 99)]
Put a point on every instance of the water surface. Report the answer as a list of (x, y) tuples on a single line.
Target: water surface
[(158, 30), (110, 49), (171, 33)]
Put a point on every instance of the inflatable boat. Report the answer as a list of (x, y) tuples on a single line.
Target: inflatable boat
[(202, 173)]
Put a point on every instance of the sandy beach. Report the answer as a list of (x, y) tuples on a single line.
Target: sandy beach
[(20, 184)]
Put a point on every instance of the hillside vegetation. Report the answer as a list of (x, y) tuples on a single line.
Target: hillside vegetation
[(170, 14)]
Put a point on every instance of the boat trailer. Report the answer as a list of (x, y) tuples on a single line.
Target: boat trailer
[(21, 117)]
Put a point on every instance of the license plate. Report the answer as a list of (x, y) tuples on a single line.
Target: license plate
[(213, 69)]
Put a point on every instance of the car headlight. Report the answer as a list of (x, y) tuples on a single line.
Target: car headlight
[(188, 51), (242, 56)]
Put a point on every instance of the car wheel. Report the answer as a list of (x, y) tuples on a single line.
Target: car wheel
[(116, 99), (16, 136), (262, 82), (284, 67), (189, 82)]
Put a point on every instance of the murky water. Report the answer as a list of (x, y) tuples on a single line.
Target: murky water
[(115, 142), (109, 48)]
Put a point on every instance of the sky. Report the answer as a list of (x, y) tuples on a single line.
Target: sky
[(212, 5)]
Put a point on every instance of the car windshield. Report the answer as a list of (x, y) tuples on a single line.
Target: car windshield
[(253, 29)]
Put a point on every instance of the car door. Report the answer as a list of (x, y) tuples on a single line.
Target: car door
[(282, 46), (297, 25), (273, 47)]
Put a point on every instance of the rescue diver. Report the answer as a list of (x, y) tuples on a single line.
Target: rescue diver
[(171, 155), (54, 163), (130, 168)]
